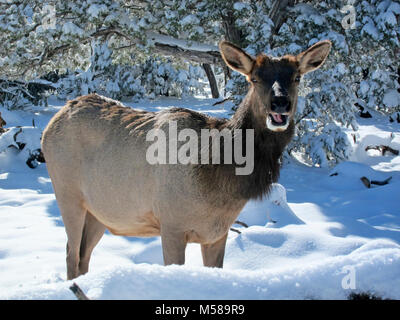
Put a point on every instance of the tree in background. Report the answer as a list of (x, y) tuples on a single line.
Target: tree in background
[(362, 68)]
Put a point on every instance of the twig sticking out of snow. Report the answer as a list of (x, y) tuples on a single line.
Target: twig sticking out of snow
[(79, 294), (368, 183), (383, 149), (235, 230), (20, 145), (239, 223)]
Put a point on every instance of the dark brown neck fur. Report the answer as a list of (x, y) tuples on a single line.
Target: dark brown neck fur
[(268, 149)]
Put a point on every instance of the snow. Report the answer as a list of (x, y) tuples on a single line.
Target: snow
[(341, 69), (239, 6), (273, 213), (370, 29), (394, 7), (364, 87), (391, 98), (307, 12), (95, 10), (71, 28), (189, 20), (321, 234), (389, 18)]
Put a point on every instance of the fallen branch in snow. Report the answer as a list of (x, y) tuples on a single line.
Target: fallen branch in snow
[(368, 182), (387, 148), (383, 149), (363, 114), (79, 294), (35, 157), (24, 141), (381, 183), (20, 145)]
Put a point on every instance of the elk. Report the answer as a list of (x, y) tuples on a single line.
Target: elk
[(95, 155)]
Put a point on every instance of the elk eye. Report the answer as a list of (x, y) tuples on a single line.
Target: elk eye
[(297, 79), (254, 80)]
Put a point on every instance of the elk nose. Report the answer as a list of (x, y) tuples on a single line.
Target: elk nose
[(280, 104)]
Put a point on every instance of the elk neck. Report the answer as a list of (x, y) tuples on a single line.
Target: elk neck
[(268, 149)]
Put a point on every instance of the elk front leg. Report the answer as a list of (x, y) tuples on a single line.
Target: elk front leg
[(213, 254), (173, 245)]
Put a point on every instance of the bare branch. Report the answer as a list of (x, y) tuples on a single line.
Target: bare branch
[(241, 223), (368, 182), (79, 294), (383, 149), (235, 230)]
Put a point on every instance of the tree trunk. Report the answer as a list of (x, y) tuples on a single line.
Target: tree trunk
[(278, 14), (232, 34), (211, 80)]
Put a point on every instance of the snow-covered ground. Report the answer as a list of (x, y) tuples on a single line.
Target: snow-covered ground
[(321, 236)]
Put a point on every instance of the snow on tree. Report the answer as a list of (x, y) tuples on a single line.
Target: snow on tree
[(361, 68), (328, 110), (377, 51), (153, 77)]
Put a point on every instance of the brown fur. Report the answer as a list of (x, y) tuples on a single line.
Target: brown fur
[(95, 153)]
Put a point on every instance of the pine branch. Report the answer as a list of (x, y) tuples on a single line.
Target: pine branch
[(163, 47)]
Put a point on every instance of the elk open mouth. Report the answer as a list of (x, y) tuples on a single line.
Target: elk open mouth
[(277, 121)]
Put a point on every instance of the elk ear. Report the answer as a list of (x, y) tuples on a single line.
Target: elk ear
[(236, 58), (313, 57)]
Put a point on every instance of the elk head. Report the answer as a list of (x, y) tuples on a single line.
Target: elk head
[(274, 81)]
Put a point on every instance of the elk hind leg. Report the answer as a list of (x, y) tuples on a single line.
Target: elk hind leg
[(73, 215)]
